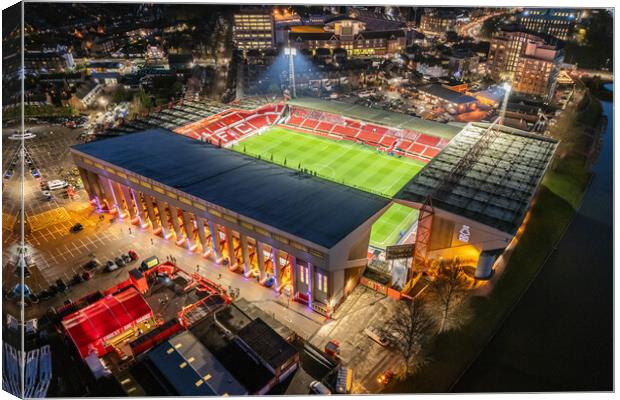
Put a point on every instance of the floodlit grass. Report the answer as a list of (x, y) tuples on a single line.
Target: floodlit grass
[(386, 231), (352, 164)]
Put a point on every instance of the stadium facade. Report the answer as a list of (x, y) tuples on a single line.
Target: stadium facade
[(301, 235)]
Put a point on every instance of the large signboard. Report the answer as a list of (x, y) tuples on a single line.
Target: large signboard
[(399, 251), (376, 286)]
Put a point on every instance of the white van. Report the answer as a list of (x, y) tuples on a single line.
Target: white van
[(57, 184)]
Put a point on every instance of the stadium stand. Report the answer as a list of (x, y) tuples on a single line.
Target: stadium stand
[(404, 142)]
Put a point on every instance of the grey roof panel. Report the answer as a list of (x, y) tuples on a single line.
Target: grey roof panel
[(314, 209)]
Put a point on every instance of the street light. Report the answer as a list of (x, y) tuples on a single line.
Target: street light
[(291, 52)]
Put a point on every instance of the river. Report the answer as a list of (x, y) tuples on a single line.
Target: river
[(560, 335)]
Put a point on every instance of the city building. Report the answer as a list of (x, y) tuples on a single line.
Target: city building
[(453, 101), (556, 22), (529, 62), (464, 64), (436, 23), (351, 34), (253, 29)]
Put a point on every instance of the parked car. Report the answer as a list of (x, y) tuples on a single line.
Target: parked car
[(133, 254), (8, 174), (76, 228), (319, 388), (385, 377), (126, 258), (110, 266), (35, 173), (119, 261), (92, 264), (86, 275), (61, 285)]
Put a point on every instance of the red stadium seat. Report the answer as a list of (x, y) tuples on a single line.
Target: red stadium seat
[(431, 152), (416, 148), (428, 140), (404, 145)]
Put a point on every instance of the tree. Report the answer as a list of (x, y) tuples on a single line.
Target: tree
[(408, 331), (447, 294)]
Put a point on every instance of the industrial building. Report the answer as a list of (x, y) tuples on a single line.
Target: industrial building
[(253, 29)]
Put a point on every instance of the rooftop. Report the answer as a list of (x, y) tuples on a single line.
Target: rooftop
[(498, 185), (382, 117), (446, 94), (311, 208), (191, 369), (267, 344)]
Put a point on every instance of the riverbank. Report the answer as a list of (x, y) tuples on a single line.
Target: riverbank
[(557, 201)]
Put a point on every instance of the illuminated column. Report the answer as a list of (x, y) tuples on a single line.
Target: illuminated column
[(294, 273), (128, 202), (275, 259), (118, 197), (189, 230), (261, 259), (137, 202), (245, 254), (109, 196), (310, 279), (87, 184), (174, 216), (215, 242), (232, 260), (200, 225), (163, 217), (94, 185), (151, 211)]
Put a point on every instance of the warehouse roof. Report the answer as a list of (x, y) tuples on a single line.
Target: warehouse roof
[(487, 175), (267, 343), (446, 94), (376, 115), (191, 369), (311, 208)]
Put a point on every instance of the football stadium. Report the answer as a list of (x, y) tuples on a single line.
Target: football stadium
[(311, 197)]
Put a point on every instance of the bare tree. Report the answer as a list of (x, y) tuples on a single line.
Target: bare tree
[(408, 331), (447, 292)]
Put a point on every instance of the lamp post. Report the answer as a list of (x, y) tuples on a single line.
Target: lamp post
[(507, 88), (291, 52)]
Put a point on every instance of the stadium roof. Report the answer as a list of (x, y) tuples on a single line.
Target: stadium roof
[(311, 208), (498, 177), (190, 368), (382, 117)]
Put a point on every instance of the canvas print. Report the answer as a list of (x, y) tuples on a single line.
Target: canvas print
[(231, 199)]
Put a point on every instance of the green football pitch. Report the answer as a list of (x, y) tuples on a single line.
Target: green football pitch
[(386, 230), (352, 164)]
